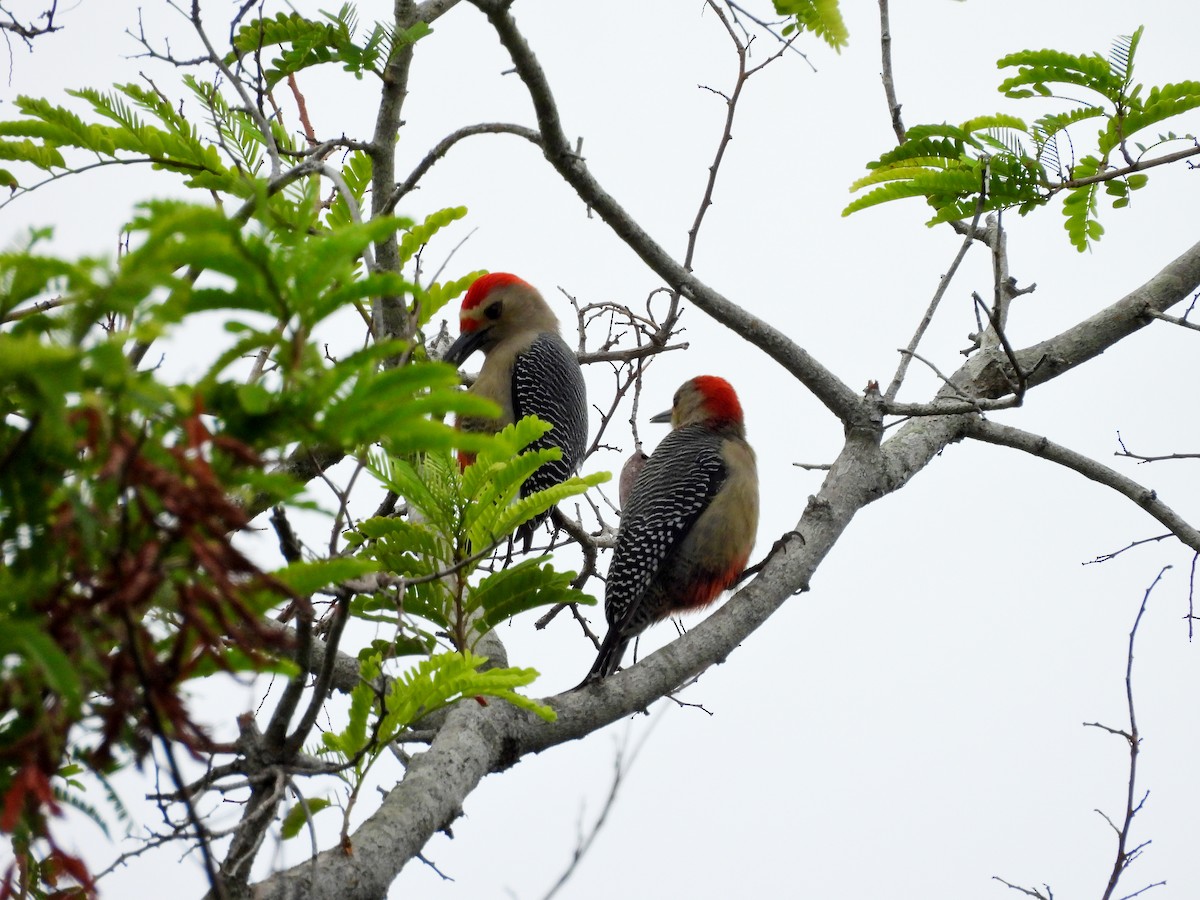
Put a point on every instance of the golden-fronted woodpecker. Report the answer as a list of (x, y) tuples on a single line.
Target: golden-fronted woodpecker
[(528, 369), (689, 524)]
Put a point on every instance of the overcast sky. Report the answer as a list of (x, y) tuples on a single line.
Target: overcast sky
[(912, 725)]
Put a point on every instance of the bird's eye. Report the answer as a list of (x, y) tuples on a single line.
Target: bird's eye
[(493, 311)]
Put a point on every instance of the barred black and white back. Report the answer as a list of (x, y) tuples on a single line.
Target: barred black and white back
[(548, 383), (675, 486)]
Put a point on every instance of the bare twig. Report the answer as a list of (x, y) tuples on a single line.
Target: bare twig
[(943, 283), (302, 110), (1126, 855), (622, 764), (945, 379), (789, 43), (1117, 173), (731, 105), (251, 108), (1028, 892), (1191, 617), (28, 31), (1105, 557), (1181, 321), (443, 147), (1125, 452), (1022, 381), (154, 719)]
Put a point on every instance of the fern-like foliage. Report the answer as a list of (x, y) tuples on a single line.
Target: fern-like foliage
[(377, 717), (120, 491), (171, 143), (999, 162), (304, 43), (822, 17), (461, 514)]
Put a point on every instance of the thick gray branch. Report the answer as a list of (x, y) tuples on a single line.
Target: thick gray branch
[(476, 740), (390, 314), (988, 375), (1134, 311)]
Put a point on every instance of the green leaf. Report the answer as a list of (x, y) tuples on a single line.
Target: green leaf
[(1054, 123), (418, 236), (1162, 103), (822, 17), (517, 589), (994, 121), (299, 815), (446, 677), (29, 642), (304, 43), (1039, 69), (1079, 207), (255, 398), (439, 294), (305, 578), (533, 504), (43, 156)]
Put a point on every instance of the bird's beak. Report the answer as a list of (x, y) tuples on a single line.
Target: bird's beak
[(468, 342), (662, 418)]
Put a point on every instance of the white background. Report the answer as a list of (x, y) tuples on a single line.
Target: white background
[(912, 725)]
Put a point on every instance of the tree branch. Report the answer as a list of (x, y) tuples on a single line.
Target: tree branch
[(1126, 855), (476, 740), (887, 76), (984, 378), (390, 317), (1147, 499), (827, 387), (443, 147)]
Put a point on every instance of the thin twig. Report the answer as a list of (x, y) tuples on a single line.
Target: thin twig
[(1022, 383), (621, 766), (943, 283), (1125, 452), (789, 43), (1125, 856), (1035, 444), (1105, 557), (1028, 892), (134, 649)]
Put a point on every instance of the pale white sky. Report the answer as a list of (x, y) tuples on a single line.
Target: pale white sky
[(912, 725)]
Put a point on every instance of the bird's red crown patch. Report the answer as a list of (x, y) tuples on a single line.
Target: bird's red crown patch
[(720, 399)]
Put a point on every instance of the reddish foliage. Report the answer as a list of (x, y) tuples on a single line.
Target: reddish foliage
[(150, 589)]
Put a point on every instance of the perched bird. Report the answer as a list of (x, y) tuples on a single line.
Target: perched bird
[(688, 526), (528, 369)]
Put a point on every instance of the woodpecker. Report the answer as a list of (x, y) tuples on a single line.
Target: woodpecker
[(528, 369), (688, 526)]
